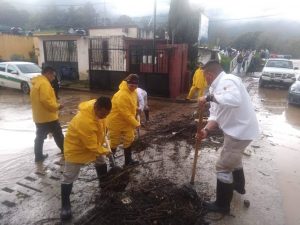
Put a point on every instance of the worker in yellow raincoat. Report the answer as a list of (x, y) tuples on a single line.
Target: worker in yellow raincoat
[(45, 112), (83, 144), (122, 121), (199, 83)]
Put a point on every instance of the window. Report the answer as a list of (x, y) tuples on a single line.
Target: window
[(280, 64), (2, 67), (11, 69), (29, 68)]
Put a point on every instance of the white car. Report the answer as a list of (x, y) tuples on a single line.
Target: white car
[(278, 72), (18, 75)]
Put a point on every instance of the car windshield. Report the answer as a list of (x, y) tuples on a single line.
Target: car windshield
[(280, 64), (29, 68)]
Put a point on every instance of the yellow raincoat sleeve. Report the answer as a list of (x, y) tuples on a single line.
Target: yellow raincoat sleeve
[(126, 111), (90, 140), (47, 98)]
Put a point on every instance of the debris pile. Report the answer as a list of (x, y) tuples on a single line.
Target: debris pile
[(184, 129), (156, 202)]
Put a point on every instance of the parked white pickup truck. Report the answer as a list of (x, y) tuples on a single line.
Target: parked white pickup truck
[(278, 72), (18, 75)]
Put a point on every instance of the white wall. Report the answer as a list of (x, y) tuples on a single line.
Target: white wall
[(82, 52), (39, 50), (83, 57), (132, 32)]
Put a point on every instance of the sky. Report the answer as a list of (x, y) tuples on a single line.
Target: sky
[(232, 9)]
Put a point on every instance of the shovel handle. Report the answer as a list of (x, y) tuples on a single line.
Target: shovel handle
[(197, 147), (109, 149)]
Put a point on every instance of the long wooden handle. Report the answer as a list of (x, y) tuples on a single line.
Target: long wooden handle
[(197, 147), (109, 149)]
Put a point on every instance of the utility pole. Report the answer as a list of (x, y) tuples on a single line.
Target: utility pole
[(154, 28)]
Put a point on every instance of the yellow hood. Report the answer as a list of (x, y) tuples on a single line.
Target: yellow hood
[(124, 105), (43, 100)]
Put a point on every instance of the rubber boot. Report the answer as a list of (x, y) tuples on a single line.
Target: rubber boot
[(101, 174), (41, 158), (128, 157), (146, 111), (66, 212), (224, 197), (239, 181)]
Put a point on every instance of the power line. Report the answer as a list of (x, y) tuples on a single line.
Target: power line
[(57, 5), (246, 18)]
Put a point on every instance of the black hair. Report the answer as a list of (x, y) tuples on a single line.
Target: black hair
[(48, 69), (212, 65), (103, 102), (132, 79)]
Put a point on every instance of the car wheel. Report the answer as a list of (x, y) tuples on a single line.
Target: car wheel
[(25, 88), (261, 83)]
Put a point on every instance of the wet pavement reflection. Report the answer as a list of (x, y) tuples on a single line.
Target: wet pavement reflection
[(280, 126)]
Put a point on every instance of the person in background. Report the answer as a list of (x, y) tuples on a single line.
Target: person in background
[(56, 85), (122, 121), (199, 83), (45, 112), (143, 102), (240, 60)]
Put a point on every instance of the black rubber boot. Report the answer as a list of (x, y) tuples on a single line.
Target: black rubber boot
[(66, 212), (146, 111), (41, 158), (239, 181), (101, 173), (224, 197), (128, 157)]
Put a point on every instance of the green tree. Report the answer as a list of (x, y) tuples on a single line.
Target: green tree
[(183, 25)]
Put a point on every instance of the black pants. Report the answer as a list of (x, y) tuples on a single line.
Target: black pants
[(42, 130)]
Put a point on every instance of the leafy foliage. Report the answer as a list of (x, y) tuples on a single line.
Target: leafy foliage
[(225, 62), (184, 25)]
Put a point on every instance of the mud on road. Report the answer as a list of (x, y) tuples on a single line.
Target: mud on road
[(30, 193)]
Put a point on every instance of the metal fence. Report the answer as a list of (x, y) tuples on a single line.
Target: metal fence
[(60, 51), (62, 55)]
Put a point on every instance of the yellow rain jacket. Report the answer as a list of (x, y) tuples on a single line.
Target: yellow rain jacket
[(124, 105), (43, 100), (85, 136), (199, 80), (199, 84)]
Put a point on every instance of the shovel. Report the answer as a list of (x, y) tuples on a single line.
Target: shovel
[(197, 146), (111, 157)]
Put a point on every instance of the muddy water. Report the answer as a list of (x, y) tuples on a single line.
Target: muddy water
[(277, 156), (17, 132), (281, 122)]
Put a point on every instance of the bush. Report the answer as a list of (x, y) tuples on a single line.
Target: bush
[(225, 63), (16, 57)]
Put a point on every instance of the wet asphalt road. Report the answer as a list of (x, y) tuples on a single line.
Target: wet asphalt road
[(280, 126)]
